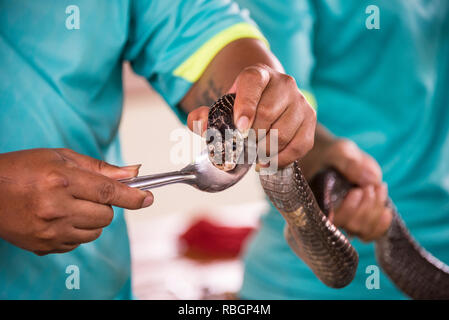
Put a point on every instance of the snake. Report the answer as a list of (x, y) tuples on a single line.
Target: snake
[(311, 234)]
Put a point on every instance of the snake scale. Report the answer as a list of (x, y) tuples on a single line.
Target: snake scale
[(313, 237)]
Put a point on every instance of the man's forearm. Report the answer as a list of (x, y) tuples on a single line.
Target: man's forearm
[(315, 159), (267, 100), (222, 71), (224, 68)]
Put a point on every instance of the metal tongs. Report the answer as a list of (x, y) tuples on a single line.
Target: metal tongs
[(202, 174)]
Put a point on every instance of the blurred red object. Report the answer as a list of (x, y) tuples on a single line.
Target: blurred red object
[(207, 240)]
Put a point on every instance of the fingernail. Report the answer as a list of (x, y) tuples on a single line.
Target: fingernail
[(369, 177), (147, 201), (356, 198), (384, 191), (134, 169), (242, 124), (131, 168), (358, 195), (264, 164)]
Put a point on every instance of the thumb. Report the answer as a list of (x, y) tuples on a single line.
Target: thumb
[(248, 88), (100, 166)]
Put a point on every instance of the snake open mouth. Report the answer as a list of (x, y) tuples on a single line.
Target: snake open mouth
[(225, 153), (224, 142)]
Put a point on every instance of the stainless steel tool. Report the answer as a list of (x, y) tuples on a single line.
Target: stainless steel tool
[(202, 174)]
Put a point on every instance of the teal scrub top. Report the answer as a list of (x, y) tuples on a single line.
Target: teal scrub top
[(387, 90), (61, 86)]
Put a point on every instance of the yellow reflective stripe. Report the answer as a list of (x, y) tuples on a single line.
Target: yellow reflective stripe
[(192, 69), (310, 98)]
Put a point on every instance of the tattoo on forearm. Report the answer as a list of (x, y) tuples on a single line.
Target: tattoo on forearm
[(212, 93)]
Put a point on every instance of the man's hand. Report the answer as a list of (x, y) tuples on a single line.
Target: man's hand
[(270, 100), (362, 212), (266, 98), (53, 200)]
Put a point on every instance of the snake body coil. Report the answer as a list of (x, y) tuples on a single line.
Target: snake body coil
[(323, 247)]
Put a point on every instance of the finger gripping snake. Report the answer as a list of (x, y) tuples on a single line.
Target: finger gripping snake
[(321, 245)]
